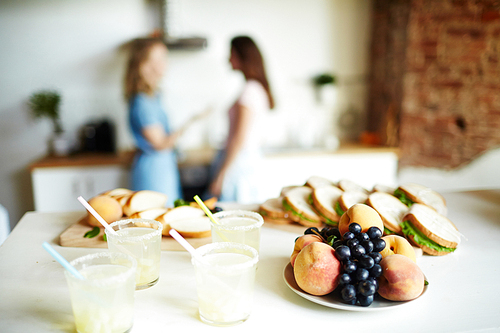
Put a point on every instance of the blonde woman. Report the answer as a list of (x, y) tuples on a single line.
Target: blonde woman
[(155, 164)]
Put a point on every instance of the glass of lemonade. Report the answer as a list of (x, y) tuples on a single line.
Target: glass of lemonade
[(141, 239), (104, 301), (225, 276), (239, 226)]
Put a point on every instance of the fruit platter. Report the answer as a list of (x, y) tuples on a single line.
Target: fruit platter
[(354, 267)]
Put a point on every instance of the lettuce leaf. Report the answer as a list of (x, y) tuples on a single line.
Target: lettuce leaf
[(287, 207), (420, 238), (403, 198), (327, 220), (338, 210), (388, 232)]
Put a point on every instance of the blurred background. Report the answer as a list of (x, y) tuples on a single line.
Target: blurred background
[(418, 80)]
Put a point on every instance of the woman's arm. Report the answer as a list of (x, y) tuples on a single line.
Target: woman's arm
[(159, 139), (235, 142)]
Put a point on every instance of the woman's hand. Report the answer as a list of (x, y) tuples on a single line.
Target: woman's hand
[(159, 139), (215, 187)]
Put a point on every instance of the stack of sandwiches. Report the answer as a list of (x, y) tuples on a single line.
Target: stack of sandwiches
[(410, 210)]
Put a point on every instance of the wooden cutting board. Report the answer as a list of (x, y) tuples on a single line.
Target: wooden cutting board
[(73, 236)]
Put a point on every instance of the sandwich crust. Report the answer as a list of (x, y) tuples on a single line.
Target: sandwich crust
[(301, 211), (272, 211), (390, 209), (415, 220), (350, 198), (324, 199), (424, 195), (316, 182), (426, 249)]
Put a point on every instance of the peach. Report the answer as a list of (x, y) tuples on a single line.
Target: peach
[(109, 209), (302, 242), (317, 269), (401, 280), (398, 245), (363, 215)]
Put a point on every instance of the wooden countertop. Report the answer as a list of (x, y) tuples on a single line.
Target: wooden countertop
[(195, 156), (84, 159)]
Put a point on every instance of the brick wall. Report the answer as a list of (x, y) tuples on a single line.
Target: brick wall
[(448, 109)]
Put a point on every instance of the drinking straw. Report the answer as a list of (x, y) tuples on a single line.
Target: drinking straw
[(60, 259), (205, 209), (96, 215), (185, 244), (210, 215)]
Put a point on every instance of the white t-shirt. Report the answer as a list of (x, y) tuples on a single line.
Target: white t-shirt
[(241, 183), (254, 98)]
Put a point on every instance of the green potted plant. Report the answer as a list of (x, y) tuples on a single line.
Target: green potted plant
[(45, 104), (320, 81)]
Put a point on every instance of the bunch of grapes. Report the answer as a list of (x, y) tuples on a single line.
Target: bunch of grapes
[(359, 254)]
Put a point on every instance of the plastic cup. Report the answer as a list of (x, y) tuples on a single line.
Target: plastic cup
[(104, 300), (141, 239), (225, 280), (239, 226)]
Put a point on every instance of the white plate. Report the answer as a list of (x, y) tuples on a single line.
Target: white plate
[(334, 301)]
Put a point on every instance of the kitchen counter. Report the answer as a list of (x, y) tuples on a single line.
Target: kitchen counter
[(462, 294), (200, 156)]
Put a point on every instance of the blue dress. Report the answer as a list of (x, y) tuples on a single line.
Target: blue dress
[(152, 169)]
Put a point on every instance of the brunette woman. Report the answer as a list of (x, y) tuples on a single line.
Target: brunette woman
[(236, 167)]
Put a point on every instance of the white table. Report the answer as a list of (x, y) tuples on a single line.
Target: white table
[(463, 294)]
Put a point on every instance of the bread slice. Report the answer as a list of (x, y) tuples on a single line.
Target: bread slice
[(383, 188), (285, 189), (143, 200), (350, 186), (296, 203), (151, 214), (317, 182), (424, 195), (429, 230), (324, 199), (183, 214), (198, 227), (272, 211), (118, 192), (390, 209), (350, 198)]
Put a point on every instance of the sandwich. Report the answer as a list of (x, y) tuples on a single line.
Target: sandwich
[(383, 188), (287, 188), (390, 209), (143, 200), (317, 182), (324, 200), (414, 193), (350, 186), (349, 199), (296, 203), (152, 213), (190, 222), (272, 211), (434, 233)]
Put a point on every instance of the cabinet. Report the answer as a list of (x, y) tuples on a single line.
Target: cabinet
[(58, 182)]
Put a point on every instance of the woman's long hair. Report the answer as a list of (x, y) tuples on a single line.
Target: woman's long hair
[(139, 52), (252, 62)]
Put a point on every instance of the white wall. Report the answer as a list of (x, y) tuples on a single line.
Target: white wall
[(74, 47)]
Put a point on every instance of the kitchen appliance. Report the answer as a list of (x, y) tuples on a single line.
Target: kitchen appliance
[(98, 136)]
